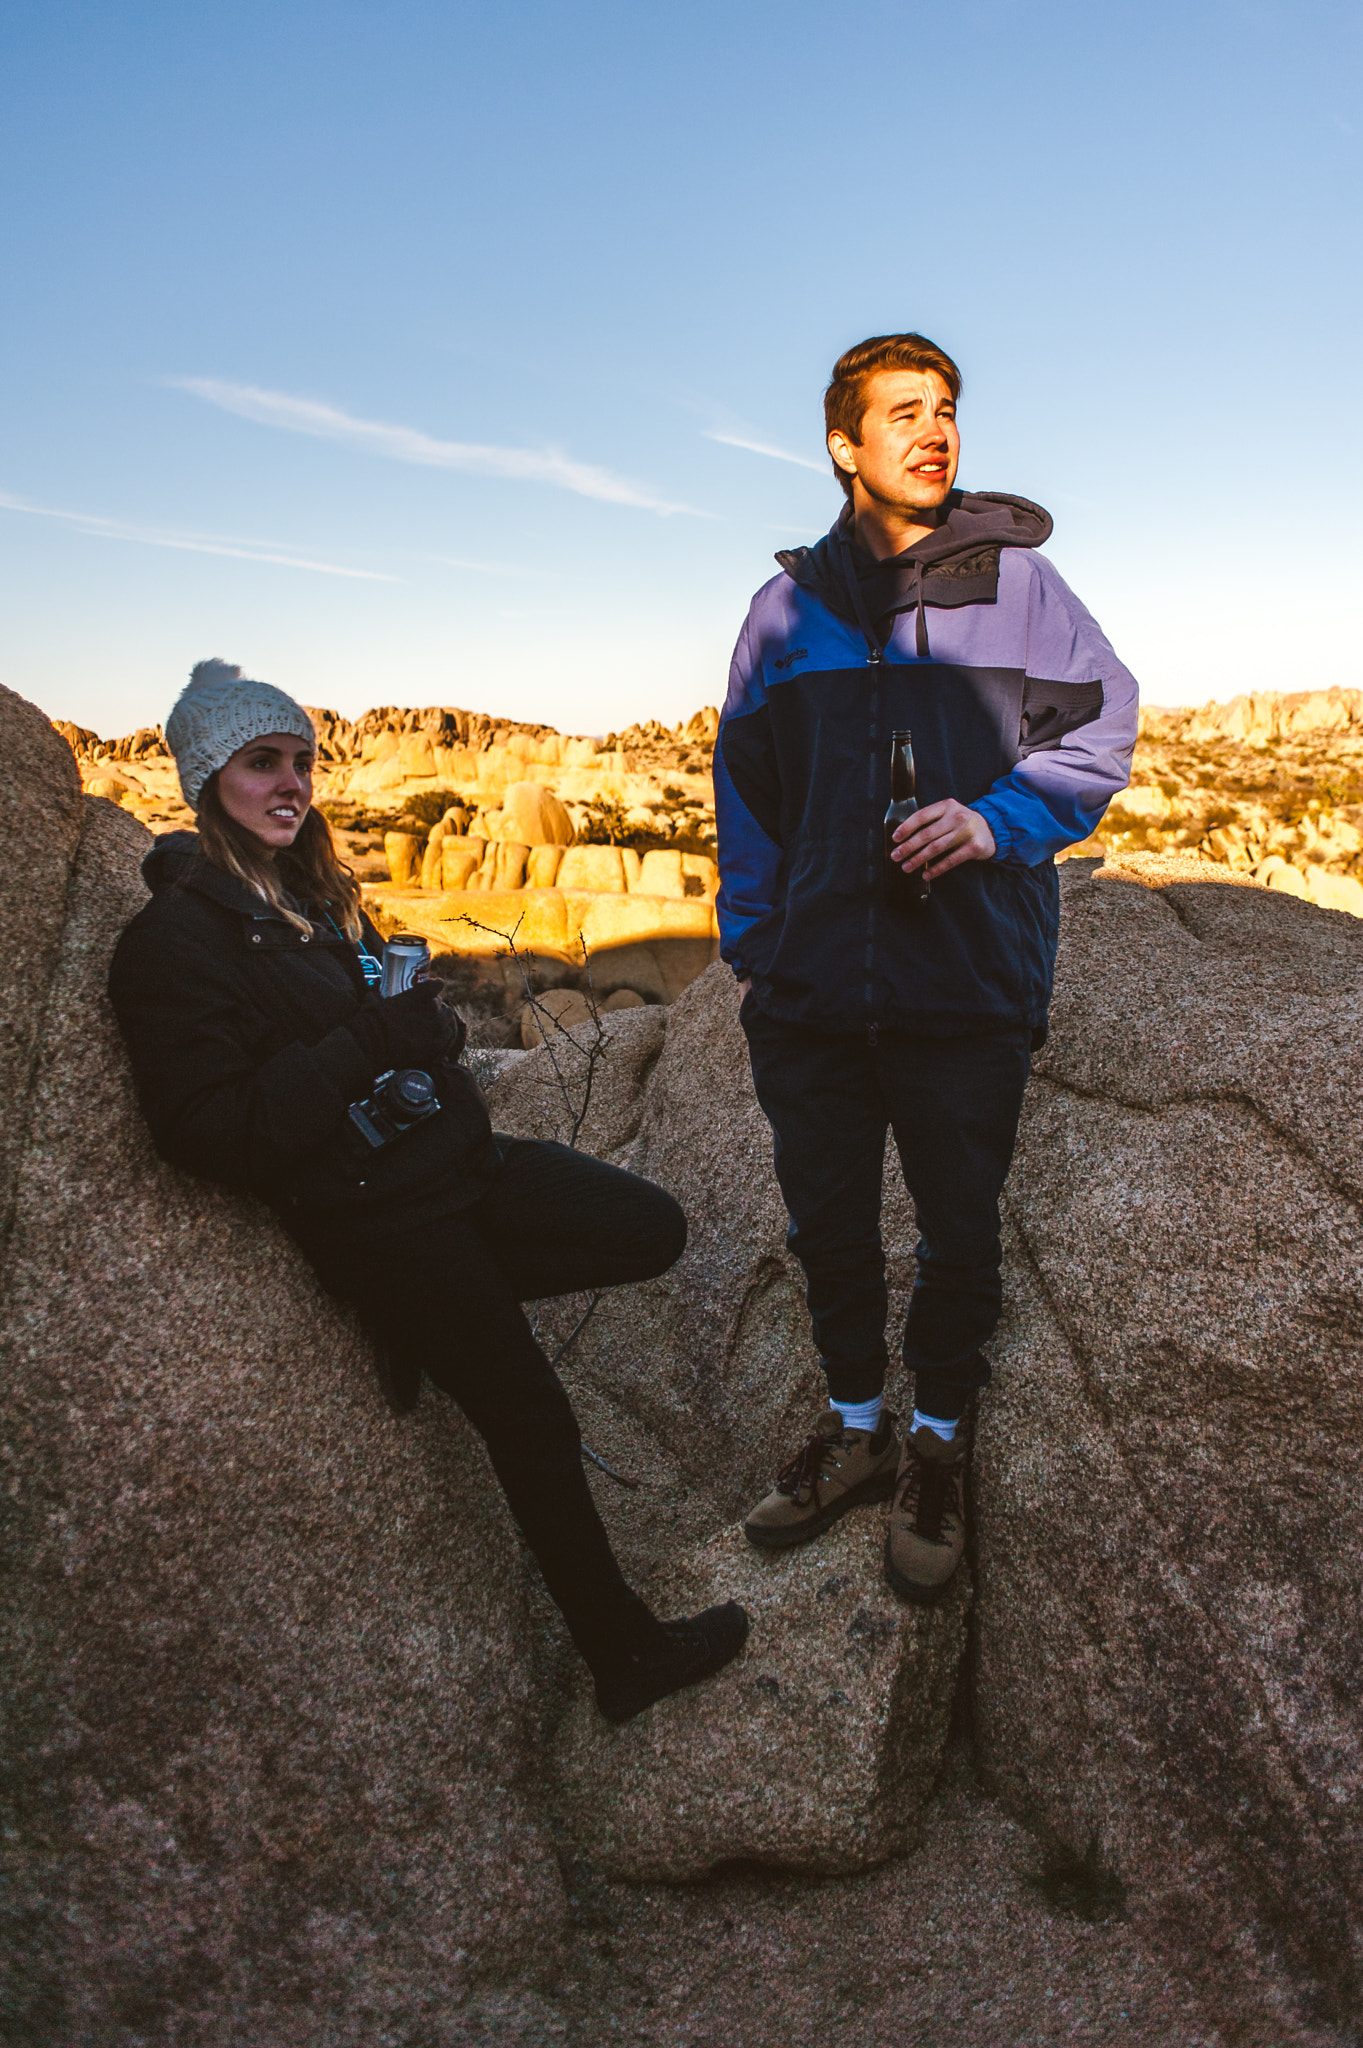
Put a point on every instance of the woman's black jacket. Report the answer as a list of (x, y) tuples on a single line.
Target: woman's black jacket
[(237, 1028)]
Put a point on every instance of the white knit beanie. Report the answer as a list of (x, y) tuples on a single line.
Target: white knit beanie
[(220, 710)]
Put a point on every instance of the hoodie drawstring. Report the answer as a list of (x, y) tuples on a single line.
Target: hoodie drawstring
[(868, 633), (853, 582)]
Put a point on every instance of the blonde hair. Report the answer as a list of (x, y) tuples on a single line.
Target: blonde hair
[(310, 870)]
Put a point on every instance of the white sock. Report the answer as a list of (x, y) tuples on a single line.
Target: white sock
[(859, 1414), (946, 1430)]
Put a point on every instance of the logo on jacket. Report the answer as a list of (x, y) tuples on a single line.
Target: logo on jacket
[(800, 654)]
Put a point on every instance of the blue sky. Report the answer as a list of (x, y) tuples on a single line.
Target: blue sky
[(427, 353)]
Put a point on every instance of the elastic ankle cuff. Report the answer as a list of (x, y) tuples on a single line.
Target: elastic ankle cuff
[(932, 1397), (610, 1644)]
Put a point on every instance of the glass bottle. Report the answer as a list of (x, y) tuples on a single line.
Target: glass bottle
[(903, 890)]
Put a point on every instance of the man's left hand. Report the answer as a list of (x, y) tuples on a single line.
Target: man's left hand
[(941, 836)]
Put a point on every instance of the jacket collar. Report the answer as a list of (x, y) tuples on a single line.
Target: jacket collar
[(176, 860), (957, 564)]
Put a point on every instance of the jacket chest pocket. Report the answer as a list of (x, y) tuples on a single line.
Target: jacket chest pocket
[(1050, 711)]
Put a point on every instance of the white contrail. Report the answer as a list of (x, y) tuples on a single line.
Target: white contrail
[(191, 543), (409, 444), (763, 448)]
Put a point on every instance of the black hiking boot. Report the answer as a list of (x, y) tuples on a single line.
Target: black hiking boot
[(691, 1650)]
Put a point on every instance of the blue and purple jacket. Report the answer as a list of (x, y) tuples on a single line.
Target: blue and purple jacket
[(1018, 707)]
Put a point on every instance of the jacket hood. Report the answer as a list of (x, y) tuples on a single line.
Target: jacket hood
[(178, 858), (957, 564), (170, 859)]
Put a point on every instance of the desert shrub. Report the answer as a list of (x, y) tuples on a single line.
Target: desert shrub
[(689, 841), (605, 824), (348, 817), (427, 808)]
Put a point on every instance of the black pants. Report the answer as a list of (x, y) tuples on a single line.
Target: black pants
[(953, 1105), (554, 1222)]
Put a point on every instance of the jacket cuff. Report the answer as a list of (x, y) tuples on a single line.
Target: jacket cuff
[(1005, 839)]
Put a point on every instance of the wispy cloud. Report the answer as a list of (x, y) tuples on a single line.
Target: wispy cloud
[(190, 543), (764, 448), (409, 444), (522, 574)]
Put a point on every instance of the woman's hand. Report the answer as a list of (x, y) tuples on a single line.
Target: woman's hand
[(940, 837), (413, 1029)]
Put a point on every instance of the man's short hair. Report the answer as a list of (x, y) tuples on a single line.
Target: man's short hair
[(848, 393)]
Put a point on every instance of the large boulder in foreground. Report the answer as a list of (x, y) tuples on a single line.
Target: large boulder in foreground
[(1170, 1521), (42, 811), (816, 1749), (813, 1751), (270, 1738), (1170, 1531), (276, 1770)]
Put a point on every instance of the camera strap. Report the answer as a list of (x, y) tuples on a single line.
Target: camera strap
[(370, 968)]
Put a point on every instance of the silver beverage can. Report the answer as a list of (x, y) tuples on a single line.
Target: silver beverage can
[(405, 960)]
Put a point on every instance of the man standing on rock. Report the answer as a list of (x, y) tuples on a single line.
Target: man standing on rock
[(924, 610)]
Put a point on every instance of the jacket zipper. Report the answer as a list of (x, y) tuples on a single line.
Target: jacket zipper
[(875, 655), (872, 865)]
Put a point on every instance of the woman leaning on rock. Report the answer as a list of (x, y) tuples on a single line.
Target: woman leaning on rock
[(246, 990)]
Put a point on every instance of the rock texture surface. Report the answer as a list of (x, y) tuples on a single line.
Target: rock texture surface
[(655, 944), (269, 1737), (813, 1751), (293, 1752), (715, 1357), (1170, 1530), (1168, 1472), (42, 810)]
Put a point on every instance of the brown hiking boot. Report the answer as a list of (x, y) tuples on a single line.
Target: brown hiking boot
[(927, 1522), (834, 1470)]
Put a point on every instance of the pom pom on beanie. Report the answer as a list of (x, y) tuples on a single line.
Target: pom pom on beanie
[(220, 710)]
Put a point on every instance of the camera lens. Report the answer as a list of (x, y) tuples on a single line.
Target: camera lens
[(409, 1092)]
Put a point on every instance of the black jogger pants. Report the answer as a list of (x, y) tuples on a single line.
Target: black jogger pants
[(953, 1105)]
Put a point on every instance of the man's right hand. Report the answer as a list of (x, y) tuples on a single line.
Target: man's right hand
[(744, 986)]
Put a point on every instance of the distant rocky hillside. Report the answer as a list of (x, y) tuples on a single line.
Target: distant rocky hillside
[(469, 831), (1269, 783), (647, 785)]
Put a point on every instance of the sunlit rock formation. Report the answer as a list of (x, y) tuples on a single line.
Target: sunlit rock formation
[(474, 833), (1269, 784)]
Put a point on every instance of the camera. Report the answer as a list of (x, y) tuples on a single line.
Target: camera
[(402, 1098)]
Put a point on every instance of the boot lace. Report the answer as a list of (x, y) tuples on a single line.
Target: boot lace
[(929, 1494), (799, 1480)]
